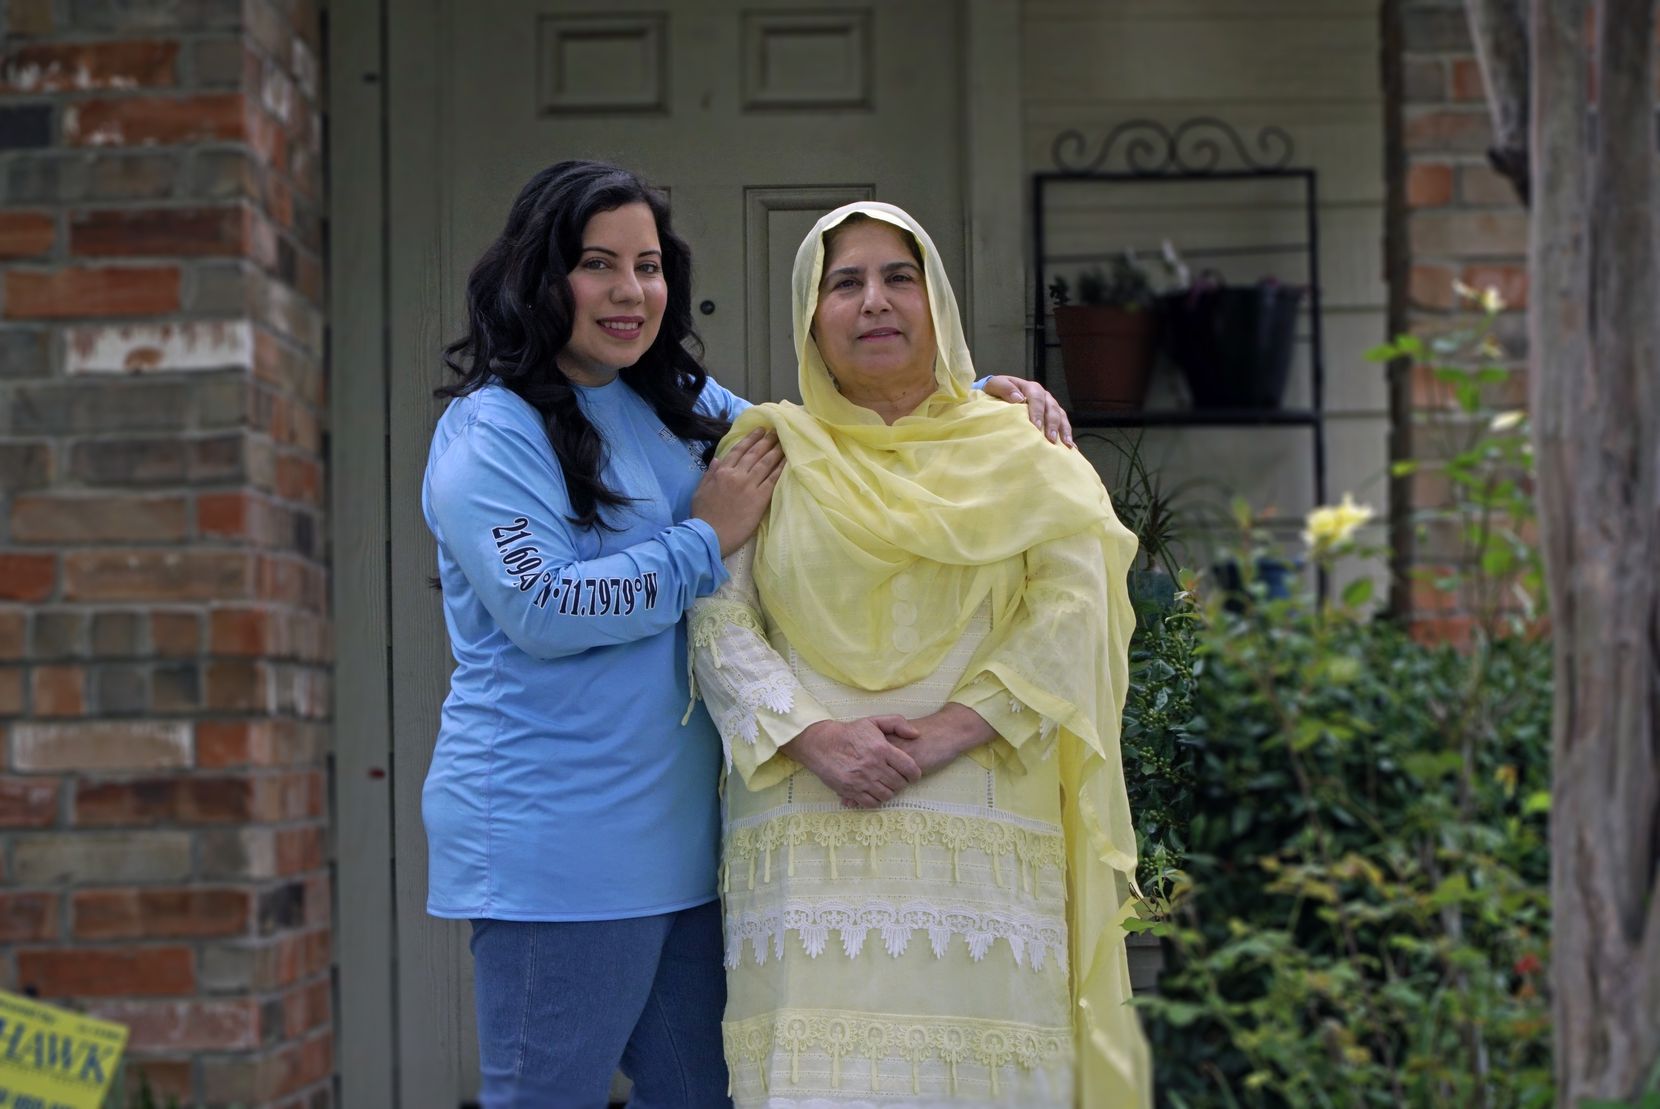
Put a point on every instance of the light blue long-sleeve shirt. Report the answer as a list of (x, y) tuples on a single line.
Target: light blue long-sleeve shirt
[(564, 786)]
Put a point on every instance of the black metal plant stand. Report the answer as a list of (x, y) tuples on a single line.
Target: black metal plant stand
[(1201, 149)]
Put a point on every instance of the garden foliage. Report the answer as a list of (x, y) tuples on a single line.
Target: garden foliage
[(1343, 828)]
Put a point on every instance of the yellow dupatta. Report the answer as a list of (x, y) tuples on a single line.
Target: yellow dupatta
[(948, 495)]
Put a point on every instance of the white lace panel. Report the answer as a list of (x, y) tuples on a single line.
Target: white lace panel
[(738, 672), (834, 1058), (905, 837), (1031, 936)]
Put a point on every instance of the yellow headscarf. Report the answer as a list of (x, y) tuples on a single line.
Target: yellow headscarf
[(949, 495)]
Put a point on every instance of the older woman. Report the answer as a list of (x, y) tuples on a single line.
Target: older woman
[(917, 668)]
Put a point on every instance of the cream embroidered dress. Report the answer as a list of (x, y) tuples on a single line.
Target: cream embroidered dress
[(910, 955), (959, 945)]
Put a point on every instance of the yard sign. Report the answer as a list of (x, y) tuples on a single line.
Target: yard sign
[(51, 1058)]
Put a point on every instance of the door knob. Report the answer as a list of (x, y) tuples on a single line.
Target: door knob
[(707, 308)]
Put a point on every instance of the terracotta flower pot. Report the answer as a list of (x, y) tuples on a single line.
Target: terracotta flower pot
[(1108, 354)]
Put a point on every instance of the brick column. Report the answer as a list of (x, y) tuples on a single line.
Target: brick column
[(1462, 222), (164, 679)]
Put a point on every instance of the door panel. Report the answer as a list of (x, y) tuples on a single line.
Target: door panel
[(775, 222), (757, 117)]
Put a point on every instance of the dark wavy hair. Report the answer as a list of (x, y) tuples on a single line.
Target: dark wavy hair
[(519, 318)]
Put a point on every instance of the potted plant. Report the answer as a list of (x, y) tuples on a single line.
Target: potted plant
[(1233, 342), (1268, 575), (1150, 509), (1108, 339)]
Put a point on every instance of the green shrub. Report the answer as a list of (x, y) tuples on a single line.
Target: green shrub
[(1362, 913), (1343, 829), (1160, 749)]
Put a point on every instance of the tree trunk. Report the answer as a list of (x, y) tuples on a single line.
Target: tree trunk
[(1596, 416), (1499, 30)]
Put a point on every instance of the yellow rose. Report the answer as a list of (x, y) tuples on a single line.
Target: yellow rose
[(1490, 299), (1330, 525)]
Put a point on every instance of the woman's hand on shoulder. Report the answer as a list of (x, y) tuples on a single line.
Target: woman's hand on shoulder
[(733, 496), (857, 759), (1042, 408)]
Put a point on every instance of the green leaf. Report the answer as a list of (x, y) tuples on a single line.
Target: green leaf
[(1427, 767), (1343, 669), (1403, 468), (1497, 560), (1308, 734), (1453, 889), (1357, 592), (1180, 1013), (1465, 476), (1537, 802)]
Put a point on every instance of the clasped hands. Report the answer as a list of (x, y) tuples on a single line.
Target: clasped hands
[(870, 760)]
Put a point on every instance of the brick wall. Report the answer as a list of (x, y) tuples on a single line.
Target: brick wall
[(163, 626), (1456, 219)]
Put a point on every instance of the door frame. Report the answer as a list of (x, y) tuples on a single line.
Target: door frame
[(396, 1021)]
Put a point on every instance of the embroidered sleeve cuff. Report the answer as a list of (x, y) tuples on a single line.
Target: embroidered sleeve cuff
[(764, 765), (1014, 723), (757, 704)]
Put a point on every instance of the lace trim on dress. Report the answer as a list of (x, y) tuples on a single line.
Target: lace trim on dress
[(755, 846), (712, 616), (902, 803), (1026, 933), (774, 688), (775, 692), (917, 1040)]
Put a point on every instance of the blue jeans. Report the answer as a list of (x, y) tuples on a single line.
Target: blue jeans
[(563, 1004)]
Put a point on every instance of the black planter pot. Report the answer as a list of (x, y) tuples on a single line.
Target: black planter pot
[(1276, 577), (1233, 342)]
